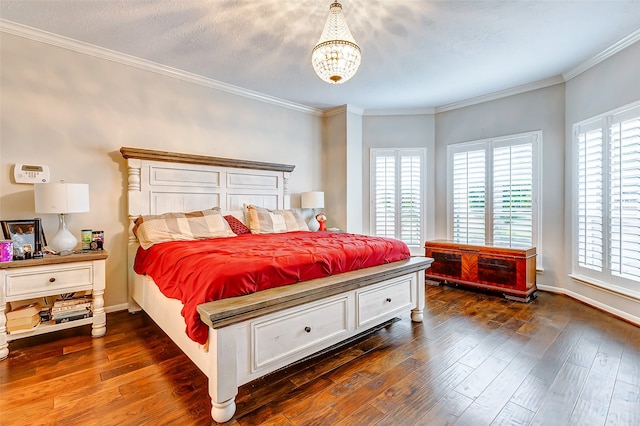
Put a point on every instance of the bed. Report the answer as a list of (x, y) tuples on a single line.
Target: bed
[(249, 336)]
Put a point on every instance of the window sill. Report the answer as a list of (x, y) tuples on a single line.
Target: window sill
[(611, 288)]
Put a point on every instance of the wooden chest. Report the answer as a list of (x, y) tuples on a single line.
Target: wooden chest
[(508, 270)]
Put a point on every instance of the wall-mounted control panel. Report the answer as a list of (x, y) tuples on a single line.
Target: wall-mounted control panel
[(29, 173)]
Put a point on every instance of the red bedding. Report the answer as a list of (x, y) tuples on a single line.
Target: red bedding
[(200, 271)]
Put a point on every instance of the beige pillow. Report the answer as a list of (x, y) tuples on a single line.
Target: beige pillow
[(198, 225), (265, 221)]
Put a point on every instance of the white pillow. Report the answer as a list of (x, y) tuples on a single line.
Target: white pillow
[(265, 221)]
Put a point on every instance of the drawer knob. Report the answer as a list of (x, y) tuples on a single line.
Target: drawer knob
[(388, 299), (52, 280), (307, 329)]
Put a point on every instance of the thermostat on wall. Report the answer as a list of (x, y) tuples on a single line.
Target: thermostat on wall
[(27, 173)]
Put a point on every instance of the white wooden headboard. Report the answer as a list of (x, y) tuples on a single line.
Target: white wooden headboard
[(160, 182)]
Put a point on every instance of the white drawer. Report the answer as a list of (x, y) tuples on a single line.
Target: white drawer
[(31, 281), (298, 330), (377, 304)]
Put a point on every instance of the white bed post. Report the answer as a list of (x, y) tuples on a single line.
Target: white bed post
[(133, 202), (285, 191), (223, 373), (417, 313)]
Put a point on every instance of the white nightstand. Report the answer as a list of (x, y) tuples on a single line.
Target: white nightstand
[(53, 275)]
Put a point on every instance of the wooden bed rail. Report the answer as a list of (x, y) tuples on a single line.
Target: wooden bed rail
[(221, 313)]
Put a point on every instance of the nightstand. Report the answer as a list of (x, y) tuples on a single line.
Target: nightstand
[(51, 276)]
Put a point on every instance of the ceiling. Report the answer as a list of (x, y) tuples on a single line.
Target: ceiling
[(416, 54)]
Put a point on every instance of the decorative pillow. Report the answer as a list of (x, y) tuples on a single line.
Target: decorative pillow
[(264, 221), (236, 226), (198, 225)]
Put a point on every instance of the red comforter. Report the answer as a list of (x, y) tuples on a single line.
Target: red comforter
[(201, 271)]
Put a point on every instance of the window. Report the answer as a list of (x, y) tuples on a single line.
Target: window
[(606, 196), (493, 191), (397, 194)]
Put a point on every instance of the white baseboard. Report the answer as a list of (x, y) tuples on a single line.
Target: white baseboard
[(609, 309), (116, 308)]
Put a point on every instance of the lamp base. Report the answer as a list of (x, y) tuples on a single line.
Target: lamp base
[(313, 224), (64, 241)]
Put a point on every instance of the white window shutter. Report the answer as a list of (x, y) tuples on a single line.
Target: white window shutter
[(385, 195), (493, 187), (468, 187), (513, 194), (411, 208), (397, 194), (606, 246), (624, 198), (590, 200)]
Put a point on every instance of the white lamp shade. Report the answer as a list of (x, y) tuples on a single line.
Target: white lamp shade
[(61, 197), (312, 200)]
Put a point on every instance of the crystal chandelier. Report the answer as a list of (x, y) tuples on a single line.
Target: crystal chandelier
[(336, 57)]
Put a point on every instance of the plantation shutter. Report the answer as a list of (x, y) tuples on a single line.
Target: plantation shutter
[(385, 194), (411, 198), (624, 195), (469, 197), (606, 246), (590, 198), (513, 192), (398, 194), (493, 190)]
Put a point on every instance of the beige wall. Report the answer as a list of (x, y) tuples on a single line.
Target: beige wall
[(73, 112)]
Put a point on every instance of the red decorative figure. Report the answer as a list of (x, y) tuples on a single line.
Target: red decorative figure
[(322, 220)]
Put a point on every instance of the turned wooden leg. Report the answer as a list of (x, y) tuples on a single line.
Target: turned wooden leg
[(417, 315), (4, 345), (223, 373), (99, 327), (223, 412), (419, 303), (99, 317)]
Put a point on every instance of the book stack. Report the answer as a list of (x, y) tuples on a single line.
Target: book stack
[(23, 318), (65, 310)]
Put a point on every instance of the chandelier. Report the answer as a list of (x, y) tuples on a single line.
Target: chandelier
[(336, 57)]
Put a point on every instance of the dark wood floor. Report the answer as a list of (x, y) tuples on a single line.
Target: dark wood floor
[(476, 360)]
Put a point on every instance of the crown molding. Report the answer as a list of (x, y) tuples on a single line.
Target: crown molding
[(121, 58), (408, 111), (618, 46), (540, 84)]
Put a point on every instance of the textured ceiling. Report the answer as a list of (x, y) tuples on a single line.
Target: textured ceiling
[(416, 54)]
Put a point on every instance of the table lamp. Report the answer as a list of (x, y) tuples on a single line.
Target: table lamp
[(313, 200), (62, 199)]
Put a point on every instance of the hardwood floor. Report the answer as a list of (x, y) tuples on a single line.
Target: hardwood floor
[(475, 360)]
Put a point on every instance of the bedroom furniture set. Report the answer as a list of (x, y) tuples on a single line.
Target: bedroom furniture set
[(283, 311)]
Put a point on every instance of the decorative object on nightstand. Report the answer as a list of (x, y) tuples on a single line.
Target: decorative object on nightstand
[(62, 199), (27, 237), (322, 220), (313, 200)]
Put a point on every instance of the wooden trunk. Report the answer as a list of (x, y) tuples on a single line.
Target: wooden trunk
[(508, 270)]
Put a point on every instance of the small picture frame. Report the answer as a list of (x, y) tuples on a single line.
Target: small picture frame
[(23, 233)]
